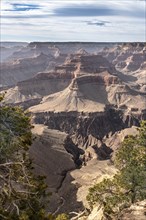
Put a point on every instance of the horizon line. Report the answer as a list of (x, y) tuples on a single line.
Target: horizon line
[(72, 42)]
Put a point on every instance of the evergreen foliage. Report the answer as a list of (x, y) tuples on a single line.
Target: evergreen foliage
[(129, 184), (62, 217), (22, 194)]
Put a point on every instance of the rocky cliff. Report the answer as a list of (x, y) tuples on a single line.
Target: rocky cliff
[(22, 69), (83, 101)]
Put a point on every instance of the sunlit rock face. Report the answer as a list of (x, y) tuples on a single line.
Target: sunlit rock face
[(136, 211), (83, 99)]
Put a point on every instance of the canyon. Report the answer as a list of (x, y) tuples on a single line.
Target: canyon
[(83, 99)]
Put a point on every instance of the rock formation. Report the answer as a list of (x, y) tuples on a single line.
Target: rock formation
[(83, 99), (22, 69), (136, 211)]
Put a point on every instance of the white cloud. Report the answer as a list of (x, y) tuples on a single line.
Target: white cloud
[(127, 23)]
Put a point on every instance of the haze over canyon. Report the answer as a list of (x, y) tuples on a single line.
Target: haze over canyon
[(83, 99)]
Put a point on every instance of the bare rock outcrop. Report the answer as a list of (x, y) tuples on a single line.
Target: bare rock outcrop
[(83, 104), (92, 93), (31, 91), (22, 69), (135, 212), (8, 48), (32, 50), (54, 156), (83, 63)]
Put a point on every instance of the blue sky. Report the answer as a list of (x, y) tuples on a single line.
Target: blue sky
[(73, 20)]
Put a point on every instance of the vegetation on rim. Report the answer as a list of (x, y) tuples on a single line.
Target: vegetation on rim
[(22, 194), (128, 185)]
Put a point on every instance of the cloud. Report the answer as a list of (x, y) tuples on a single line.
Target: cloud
[(98, 23), (73, 20), (23, 7), (21, 16), (95, 10), (17, 23), (87, 10)]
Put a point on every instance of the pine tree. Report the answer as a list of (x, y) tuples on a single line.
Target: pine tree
[(22, 194), (129, 184)]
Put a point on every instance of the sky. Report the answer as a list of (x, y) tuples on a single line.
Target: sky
[(73, 20)]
